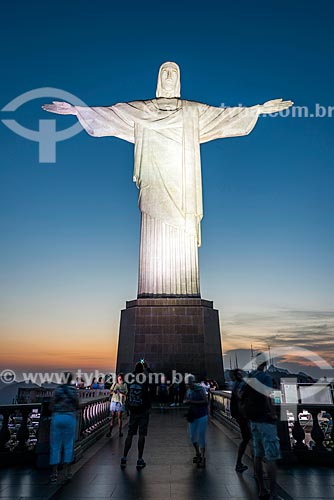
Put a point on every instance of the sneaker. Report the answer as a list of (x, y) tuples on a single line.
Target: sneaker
[(241, 468), (140, 463), (201, 463), (68, 477), (123, 462), (196, 459), (53, 478)]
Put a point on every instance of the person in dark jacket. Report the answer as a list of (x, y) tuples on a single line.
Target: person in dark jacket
[(139, 407), (263, 424), (237, 413), (63, 426)]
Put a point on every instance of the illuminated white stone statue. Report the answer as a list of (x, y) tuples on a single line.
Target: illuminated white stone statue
[(167, 132)]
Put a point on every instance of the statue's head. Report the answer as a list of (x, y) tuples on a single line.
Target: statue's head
[(169, 82)]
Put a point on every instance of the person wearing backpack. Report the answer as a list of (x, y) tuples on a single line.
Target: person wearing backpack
[(197, 417), (138, 403), (237, 412), (260, 410)]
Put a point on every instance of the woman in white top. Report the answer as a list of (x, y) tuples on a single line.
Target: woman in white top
[(118, 392)]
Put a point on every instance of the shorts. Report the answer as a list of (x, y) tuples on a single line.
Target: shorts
[(265, 441), (197, 430), (117, 407), (138, 421)]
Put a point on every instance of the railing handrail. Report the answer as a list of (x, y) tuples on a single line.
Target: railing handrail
[(20, 405)]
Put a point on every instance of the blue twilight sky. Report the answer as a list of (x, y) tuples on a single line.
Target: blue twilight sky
[(70, 230)]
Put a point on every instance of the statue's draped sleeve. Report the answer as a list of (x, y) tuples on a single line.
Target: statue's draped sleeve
[(217, 123), (120, 119), (117, 120)]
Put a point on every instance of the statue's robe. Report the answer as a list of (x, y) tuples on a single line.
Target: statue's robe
[(167, 171)]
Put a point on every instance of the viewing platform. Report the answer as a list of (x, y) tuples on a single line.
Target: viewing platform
[(169, 474)]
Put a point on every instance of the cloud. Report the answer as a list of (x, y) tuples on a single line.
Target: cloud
[(311, 330)]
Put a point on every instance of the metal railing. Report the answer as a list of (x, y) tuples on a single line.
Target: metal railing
[(305, 430), (25, 428)]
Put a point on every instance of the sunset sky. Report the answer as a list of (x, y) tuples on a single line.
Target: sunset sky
[(70, 230)]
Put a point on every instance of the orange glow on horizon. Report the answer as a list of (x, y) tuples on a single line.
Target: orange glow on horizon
[(96, 351), (77, 345)]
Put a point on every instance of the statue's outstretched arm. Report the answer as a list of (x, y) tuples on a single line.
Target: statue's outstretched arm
[(274, 106), (101, 121), (61, 108)]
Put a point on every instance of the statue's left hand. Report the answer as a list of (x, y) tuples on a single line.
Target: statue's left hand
[(274, 106)]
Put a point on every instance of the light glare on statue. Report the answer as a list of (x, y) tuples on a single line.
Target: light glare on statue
[(167, 132)]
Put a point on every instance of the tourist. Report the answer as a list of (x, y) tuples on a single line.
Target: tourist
[(118, 395), (101, 383), (175, 393), (63, 425), (79, 383), (206, 386), (214, 386), (237, 412), (162, 393), (260, 410), (197, 417), (139, 407), (108, 380), (94, 384)]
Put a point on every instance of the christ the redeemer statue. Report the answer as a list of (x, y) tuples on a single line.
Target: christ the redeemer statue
[(167, 132)]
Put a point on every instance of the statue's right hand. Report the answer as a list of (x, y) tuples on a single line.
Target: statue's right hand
[(61, 108)]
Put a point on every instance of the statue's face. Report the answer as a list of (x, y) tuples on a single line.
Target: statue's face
[(169, 78)]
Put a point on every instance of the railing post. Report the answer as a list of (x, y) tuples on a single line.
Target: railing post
[(23, 432), (298, 433), (283, 431), (43, 443), (316, 432), (332, 431), (5, 432)]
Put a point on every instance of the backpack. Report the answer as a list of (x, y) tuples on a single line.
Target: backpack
[(254, 404), (135, 395)]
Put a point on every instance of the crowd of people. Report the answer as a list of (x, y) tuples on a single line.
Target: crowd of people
[(251, 406), (173, 393), (96, 383)]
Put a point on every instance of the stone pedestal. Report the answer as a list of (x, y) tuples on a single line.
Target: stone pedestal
[(180, 334)]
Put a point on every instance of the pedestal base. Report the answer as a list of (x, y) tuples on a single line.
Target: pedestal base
[(179, 334)]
